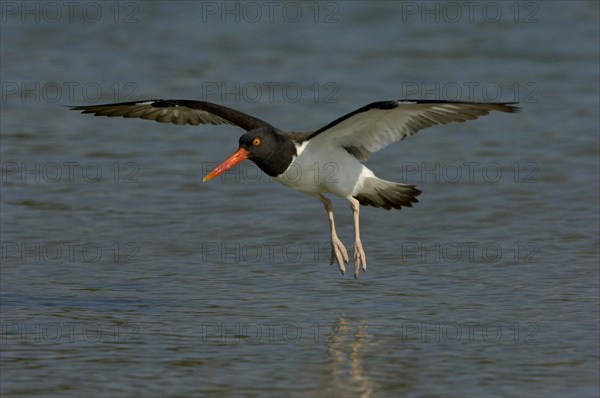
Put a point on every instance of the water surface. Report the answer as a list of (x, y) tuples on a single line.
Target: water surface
[(122, 274)]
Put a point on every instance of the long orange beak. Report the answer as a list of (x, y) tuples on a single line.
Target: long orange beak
[(238, 156)]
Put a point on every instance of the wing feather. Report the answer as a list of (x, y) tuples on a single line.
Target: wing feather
[(178, 112), (377, 125)]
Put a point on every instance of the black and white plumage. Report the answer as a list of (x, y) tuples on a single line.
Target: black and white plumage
[(328, 160)]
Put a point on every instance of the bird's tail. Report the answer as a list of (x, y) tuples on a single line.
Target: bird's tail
[(389, 195)]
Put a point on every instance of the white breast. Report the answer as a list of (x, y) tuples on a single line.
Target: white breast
[(324, 169)]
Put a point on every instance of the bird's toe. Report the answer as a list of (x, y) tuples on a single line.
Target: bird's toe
[(360, 260), (339, 254)]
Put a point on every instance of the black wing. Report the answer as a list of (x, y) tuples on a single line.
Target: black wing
[(177, 112)]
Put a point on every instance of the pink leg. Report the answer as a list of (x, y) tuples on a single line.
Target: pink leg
[(338, 251), (360, 260)]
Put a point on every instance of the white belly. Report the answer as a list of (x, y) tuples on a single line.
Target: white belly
[(316, 170)]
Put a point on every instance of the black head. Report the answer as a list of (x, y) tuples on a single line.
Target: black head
[(269, 149)]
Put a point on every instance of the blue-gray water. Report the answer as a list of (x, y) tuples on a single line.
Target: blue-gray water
[(123, 275)]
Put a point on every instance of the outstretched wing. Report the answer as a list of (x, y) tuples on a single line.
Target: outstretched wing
[(177, 112), (375, 126)]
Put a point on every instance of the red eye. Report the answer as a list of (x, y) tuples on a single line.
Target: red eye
[(256, 141)]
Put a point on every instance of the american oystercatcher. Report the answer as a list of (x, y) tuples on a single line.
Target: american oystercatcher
[(327, 161)]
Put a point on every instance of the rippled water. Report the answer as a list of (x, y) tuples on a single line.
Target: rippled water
[(122, 274)]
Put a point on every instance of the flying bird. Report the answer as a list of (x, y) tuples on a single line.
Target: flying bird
[(339, 149)]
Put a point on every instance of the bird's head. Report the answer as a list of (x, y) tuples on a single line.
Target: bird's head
[(269, 149)]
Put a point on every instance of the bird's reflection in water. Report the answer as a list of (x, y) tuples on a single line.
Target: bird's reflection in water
[(345, 349)]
